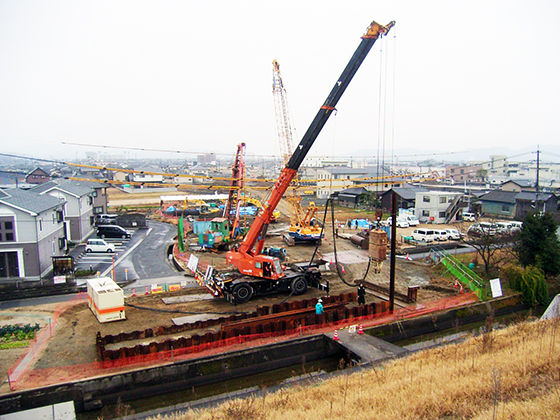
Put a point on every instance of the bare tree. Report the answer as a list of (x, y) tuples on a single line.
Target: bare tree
[(492, 246)]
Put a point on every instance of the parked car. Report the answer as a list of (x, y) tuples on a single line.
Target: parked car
[(423, 235), (440, 235), (454, 234), (105, 219), (112, 231), (401, 222), (412, 220), (469, 217), (98, 245), (482, 228)]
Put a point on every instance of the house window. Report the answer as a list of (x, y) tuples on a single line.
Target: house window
[(426, 213), (505, 208), (442, 214), (426, 199), (7, 231), (443, 200), (59, 216), (98, 210)]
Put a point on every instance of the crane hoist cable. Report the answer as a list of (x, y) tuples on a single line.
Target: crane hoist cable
[(338, 270)]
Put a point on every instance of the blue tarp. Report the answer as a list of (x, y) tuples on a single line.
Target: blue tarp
[(201, 226)]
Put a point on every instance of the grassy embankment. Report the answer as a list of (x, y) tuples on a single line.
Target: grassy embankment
[(507, 374)]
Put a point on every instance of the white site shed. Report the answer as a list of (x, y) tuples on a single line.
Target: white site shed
[(105, 299)]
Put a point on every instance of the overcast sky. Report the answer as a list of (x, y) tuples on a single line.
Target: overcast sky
[(196, 76)]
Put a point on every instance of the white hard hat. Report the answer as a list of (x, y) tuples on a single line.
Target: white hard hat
[(321, 300)]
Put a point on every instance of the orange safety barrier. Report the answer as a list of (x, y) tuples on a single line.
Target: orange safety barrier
[(49, 376)]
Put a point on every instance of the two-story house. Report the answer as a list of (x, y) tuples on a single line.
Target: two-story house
[(437, 206), (78, 210), (336, 179), (31, 232)]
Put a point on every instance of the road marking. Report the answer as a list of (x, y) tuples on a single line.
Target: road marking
[(117, 262)]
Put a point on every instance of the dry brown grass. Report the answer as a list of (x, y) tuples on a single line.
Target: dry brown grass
[(506, 374)]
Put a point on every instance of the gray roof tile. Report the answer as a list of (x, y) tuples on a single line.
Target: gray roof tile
[(29, 201)]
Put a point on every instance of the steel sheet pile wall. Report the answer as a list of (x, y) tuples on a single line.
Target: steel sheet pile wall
[(290, 319)]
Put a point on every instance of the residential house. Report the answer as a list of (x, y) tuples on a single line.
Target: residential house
[(516, 205), (438, 206), (406, 197), (37, 176), (147, 174), (529, 202), (498, 203), (463, 173), (31, 232), (518, 185), (336, 179), (78, 210), (351, 196)]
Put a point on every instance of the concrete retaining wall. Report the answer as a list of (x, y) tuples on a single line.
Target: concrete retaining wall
[(103, 390)]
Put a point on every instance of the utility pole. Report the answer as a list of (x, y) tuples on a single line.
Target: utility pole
[(393, 251), (537, 183)]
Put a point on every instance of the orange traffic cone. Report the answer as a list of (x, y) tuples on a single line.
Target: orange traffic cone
[(360, 330), (456, 283), (408, 257), (461, 289), (147, 292), (133, 292), (335, 338)]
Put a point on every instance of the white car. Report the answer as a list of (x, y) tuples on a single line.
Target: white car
[(401, 222), (423, 235), (454, 234), (440, 235), (99, 245), (412, 220)]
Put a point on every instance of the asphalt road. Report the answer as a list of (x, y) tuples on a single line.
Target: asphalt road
[(143, 256)]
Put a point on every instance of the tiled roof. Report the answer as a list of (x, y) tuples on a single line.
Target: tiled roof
[(75, 188), (29, 201), (500, 196)]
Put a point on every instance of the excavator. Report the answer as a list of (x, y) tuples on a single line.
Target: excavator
[(260, 274)]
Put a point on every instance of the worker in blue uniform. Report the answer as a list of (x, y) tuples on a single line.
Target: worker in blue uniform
[(319, 307)]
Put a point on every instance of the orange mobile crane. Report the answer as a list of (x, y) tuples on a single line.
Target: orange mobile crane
[(261, 274)]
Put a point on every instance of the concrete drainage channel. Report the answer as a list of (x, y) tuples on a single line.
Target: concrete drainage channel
[(367, 349)]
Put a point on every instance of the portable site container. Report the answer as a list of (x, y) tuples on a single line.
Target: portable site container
[(105, 299)]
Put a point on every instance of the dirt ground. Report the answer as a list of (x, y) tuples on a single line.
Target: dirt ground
[(73, 341)]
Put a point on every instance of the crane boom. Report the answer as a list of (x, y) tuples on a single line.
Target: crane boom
[(247, 258)]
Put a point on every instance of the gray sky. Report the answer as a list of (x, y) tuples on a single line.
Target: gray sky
[(196, 75)]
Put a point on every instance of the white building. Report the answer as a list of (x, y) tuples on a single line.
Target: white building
[(437, 206), (31, 232)]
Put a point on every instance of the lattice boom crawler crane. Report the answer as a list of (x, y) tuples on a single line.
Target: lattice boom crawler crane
[(261, 274)]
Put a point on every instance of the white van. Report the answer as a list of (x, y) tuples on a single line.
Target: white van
[(412, 220), (99, 245), (454, 234), (440, 235), (401, 222), (423, 235), (469, 217)]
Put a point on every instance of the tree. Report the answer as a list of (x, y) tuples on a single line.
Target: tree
[(490, 247), (538, 243)]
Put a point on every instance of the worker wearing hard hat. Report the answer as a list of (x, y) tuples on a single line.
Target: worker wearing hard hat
[(319, 307)]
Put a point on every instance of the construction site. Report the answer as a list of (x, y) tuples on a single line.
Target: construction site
[(262, 292)]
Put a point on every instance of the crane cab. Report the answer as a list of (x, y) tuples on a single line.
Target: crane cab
[(262, 266)]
